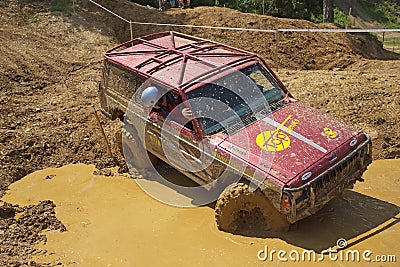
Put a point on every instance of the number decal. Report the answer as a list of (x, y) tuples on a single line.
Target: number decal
[(330, 134)]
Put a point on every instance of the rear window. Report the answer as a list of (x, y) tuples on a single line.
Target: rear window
[(120, 80)]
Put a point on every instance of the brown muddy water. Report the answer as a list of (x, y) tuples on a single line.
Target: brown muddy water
[(110, 221)]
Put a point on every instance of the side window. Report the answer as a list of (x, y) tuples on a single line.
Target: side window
[(169, 105), (123, 82)]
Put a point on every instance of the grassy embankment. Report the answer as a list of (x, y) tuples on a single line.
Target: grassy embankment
[(387, 13)]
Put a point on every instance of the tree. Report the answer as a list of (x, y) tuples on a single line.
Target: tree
[(327, 10)]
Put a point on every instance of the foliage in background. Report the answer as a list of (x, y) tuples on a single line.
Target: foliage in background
[(340, 17), (154, 3), (386, 12), (301, 9)]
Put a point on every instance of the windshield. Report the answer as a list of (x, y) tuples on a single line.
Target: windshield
[(233, 99)]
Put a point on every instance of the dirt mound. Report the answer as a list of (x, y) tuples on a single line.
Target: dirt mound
[(50, 67), (288, 50), (367, 45), (365, 95)]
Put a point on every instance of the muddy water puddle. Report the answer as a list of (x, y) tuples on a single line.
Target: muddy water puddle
[(110, 221)]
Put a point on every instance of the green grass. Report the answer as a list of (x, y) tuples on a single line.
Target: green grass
[(389, 41), (30, 16), (339, 17), (61, 5)]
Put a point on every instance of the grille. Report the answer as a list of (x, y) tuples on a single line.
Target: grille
[(234, 128), (272, 107), (331, 179)]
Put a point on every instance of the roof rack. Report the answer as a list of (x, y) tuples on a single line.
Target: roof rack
[(190, 58)]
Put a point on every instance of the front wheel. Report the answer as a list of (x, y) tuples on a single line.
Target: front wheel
[(238, 210)]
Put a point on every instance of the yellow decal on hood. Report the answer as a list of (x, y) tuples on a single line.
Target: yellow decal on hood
[(276, 140)]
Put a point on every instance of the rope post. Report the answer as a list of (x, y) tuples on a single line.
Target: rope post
[(103, 134), (276, 52), (263, 7), (131, 29), (347, 21)]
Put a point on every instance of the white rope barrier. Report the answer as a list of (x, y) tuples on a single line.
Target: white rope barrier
[(109, 11), (339, 30), (204, 27), (249, 29)]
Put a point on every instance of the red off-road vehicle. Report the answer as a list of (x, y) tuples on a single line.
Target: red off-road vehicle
[(290, 159)]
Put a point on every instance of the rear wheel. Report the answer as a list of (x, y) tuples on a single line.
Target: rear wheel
[(238, 210), (134, 152)]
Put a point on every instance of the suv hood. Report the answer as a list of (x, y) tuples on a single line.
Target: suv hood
[(289, 140)]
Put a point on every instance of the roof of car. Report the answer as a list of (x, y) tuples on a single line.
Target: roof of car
[(175, 59)]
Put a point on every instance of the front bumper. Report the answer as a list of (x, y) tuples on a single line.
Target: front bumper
[(312, 196)]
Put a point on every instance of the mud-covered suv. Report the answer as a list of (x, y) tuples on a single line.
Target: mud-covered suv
[(277, 159)]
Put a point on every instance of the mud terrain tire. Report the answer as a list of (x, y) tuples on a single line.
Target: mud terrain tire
[(134, 152), (239, 210), (118, 140)]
